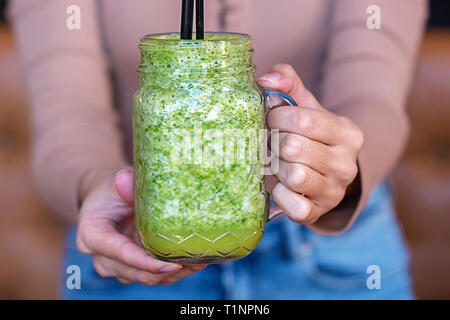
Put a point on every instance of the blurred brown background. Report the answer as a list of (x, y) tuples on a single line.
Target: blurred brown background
[(31, 237)]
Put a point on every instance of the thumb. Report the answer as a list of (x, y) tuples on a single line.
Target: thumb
[(124, 181), (283, 77)]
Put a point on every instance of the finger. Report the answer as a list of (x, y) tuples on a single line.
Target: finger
[(107, 267), (124, 181), (122, 249), (296, 148), (284, 78), (185, 272), (123, 281), (303, 179), (195, 267), (298, 208), (318, 125)]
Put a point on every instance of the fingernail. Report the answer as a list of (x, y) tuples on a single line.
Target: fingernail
[(272, 77), (119, 172), (170, 268)]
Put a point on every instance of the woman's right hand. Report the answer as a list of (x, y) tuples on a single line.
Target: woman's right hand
[(106, 230)]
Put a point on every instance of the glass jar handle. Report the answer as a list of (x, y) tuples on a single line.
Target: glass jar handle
[(276, 99)]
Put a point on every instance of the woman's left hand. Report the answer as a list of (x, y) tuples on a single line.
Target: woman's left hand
[(318, 150)]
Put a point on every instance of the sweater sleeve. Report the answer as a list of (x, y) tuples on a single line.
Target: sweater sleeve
[(366, 77), (75, 127)]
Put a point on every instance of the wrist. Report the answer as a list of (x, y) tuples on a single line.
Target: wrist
[(85, 184)]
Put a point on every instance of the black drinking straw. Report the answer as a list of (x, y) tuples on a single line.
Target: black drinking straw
[(199, 18), (187, 15)]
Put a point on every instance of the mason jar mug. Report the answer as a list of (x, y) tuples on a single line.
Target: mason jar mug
[(199, 150)]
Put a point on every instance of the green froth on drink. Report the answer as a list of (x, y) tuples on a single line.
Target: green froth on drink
[(198, 156)]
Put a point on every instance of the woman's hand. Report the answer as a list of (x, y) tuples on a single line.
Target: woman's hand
[(106, 230), (318, 150)]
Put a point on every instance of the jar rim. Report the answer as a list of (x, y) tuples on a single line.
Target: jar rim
[(222, 37)]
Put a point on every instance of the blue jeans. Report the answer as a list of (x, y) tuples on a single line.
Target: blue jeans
[(291, 262)]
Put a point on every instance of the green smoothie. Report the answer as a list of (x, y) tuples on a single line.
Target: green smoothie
[(198, 157)]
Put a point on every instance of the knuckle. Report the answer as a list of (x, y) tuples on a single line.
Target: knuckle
[(340, 195), (335, 165), (346, 122), (356, 134), (123, 251), (359, 139), (330, 192), (101, 270), (344, 170), (349, 171), (305, 120), (290, 147), (302, 214), (296, 176), (81, 243), (335, 196)]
